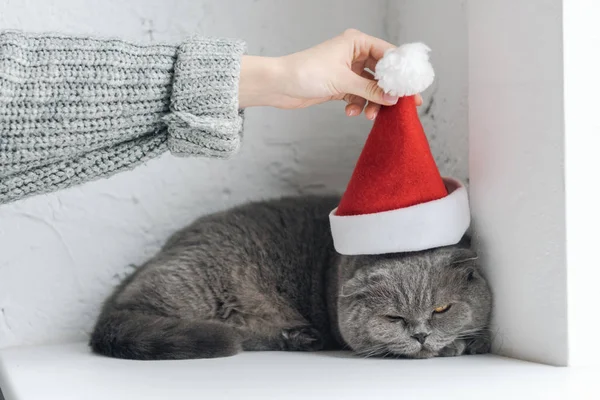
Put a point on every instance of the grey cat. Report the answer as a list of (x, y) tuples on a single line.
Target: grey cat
[(265, 276)]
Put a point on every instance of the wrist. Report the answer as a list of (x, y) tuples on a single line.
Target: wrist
[(260, 81)]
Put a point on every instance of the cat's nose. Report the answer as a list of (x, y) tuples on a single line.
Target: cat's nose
[(420, 337)]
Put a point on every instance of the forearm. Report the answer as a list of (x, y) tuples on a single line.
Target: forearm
[(62, 98), (261, 79)]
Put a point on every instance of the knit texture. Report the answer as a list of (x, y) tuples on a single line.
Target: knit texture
[(76, 109)]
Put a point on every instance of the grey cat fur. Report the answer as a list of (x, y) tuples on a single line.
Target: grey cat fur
[(265, 276)]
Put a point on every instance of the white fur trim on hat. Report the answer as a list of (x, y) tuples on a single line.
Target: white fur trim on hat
[(423, 226)]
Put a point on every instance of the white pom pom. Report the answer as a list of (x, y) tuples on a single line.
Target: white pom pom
[(405, 70)]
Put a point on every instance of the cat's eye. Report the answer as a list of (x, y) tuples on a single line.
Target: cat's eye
[(394, 318), (441, 309)]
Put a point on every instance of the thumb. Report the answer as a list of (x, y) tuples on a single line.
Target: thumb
[(368, 89)]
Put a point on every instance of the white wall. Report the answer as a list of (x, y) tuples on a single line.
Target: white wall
[(62, 253), (442, 25), (581, 37), (516, 168)]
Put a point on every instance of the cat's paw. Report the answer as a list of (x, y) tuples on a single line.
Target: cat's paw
[(303, 338), (454, 349), (480, 345)]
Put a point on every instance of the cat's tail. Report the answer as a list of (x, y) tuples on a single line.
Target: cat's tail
[(134, 335)]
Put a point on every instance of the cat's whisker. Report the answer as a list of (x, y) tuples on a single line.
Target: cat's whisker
[(464, 261), (477, 330), (471, 333), (372, 351)]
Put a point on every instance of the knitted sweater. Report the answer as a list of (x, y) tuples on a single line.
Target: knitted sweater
[(74, 109)]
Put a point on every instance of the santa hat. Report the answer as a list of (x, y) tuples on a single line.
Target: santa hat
[(396, 200)]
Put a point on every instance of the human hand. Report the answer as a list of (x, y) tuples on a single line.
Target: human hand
[(333, 70)]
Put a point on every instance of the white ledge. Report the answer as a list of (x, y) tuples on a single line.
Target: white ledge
[(70, 372)]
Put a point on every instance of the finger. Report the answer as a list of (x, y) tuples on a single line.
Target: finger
[(367, 46), (355, 104), (358, 67), (366, 74), (352, 110), (359, 101), (371, 63), (418, 100), (366, 88), (371, 110)]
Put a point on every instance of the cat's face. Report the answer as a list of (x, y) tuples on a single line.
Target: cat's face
[(413, 305)]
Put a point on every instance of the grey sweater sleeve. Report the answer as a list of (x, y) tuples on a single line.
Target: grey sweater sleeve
[(75, 109)]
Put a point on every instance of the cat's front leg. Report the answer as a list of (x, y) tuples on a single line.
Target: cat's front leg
[(303, 338), (477, 345), (455, 348)]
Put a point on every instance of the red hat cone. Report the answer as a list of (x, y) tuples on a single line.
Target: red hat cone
[(396, 168)]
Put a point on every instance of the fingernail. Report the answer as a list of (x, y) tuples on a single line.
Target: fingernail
[(389, 99), (373, 116), (351, 113)]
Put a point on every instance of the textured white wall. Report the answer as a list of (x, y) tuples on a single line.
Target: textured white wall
[(62, 253), (442, 25)]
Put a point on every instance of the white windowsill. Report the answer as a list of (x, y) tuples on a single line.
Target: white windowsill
[(70, 372)]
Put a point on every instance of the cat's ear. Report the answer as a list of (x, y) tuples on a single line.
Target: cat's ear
[(354, 286), (360, 283), (470, 274), (462, 256), (465, 242), (465, 260)]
